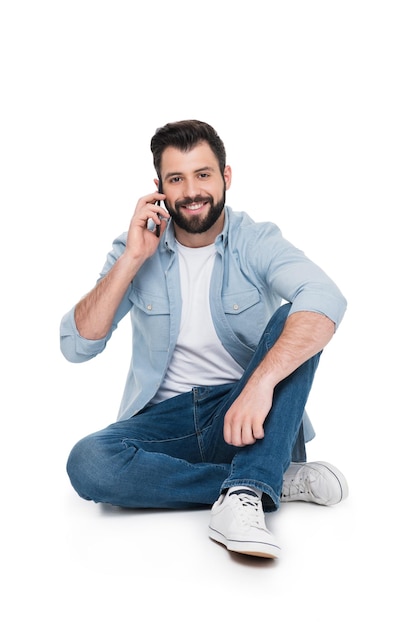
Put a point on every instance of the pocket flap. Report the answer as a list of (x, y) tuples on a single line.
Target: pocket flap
[(236, 303), (149, 303)]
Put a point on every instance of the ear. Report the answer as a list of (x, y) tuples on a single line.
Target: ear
[(227, 176), (156, 181)]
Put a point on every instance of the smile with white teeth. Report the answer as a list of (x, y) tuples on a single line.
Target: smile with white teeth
[(195, 206)]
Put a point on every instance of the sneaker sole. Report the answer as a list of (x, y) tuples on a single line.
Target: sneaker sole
[(265, 551)]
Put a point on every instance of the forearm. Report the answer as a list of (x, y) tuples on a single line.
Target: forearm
[(94, 314), (305, 334)]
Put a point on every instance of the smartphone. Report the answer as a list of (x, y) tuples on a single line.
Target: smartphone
[(160, 190)]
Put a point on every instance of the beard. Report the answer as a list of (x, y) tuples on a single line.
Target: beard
[(196, 223)]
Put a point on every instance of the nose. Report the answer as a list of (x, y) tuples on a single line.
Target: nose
[(190, 188)]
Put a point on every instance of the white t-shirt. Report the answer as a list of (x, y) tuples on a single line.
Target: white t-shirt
[(199, 358)]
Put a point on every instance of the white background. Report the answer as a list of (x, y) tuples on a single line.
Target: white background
[(317, 104)]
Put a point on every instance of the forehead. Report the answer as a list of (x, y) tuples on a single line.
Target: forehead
[(175, 161)]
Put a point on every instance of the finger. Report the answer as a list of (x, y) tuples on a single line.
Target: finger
[(149, 209), (240, 435), (148, 216), (227, 433), (247, 435), (157, 224), (258, 431), (232, 433), (151, 198)]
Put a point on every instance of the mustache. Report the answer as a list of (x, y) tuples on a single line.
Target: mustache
[(188, 200)]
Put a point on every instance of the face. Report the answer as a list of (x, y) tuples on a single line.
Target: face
[(195, 193)]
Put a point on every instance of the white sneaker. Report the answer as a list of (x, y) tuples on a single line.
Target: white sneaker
[(237, 521), (318, 482)]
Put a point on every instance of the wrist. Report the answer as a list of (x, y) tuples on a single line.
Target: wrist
[(265, 378), (130, 263)]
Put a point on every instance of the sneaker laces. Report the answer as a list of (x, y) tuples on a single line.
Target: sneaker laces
[(249, 508), (300, 485)]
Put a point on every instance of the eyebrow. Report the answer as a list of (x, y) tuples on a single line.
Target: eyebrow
[(200, 169)]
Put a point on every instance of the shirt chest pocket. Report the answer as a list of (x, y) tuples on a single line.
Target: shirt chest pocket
[(151, 319), (246, 315), (237, 303)]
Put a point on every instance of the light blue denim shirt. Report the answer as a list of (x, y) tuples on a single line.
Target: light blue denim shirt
[(255, 270)]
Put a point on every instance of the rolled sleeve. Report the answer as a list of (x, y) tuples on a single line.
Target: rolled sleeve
[(324, 297), (74, 347)]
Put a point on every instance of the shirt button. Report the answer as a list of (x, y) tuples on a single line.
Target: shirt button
[(149, 307), (235, 307)]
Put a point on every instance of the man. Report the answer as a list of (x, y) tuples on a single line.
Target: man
[(213, 408)]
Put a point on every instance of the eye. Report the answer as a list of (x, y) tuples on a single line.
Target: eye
[(204, 175), (175, 179)]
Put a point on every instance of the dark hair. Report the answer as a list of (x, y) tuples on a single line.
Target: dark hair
[(185, 135)]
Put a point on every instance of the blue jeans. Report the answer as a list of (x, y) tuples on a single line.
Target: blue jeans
[(173, 454)]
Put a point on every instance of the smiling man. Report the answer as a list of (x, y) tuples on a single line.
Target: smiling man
[(213, 408)]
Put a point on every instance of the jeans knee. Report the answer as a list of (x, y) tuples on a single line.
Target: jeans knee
[(82, 468)]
